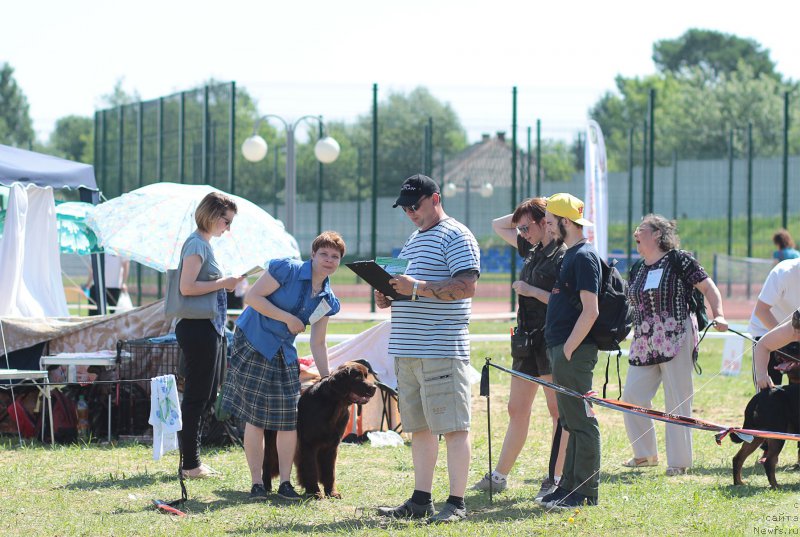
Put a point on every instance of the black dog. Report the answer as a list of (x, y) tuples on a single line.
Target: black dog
[(322, 416), (776, 410)]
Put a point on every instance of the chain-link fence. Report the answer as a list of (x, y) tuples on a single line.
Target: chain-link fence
[(727, 196)]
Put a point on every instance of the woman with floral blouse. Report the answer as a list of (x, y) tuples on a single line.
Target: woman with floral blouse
[(664, 340)]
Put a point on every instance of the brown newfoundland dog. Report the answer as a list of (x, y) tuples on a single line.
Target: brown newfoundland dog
[(322, 415)]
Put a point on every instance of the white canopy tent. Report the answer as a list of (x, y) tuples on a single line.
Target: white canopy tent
[(29, 259)]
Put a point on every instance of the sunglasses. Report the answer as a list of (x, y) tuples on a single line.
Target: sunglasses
[(413, 208), (523, 229), (227, 222)]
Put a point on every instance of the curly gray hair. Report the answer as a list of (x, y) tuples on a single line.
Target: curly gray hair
[(669, 239)]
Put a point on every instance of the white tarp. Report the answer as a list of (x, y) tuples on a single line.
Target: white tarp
[(30, 264), (596, 189), (371, 345)]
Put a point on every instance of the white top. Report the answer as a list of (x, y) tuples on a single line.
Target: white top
[(429, 327), (781, 291), (113, 272)]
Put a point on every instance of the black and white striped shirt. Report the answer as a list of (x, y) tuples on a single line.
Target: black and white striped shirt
[(429, 327)]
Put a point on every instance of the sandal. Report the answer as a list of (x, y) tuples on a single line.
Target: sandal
[(672, 471), (641, 462)]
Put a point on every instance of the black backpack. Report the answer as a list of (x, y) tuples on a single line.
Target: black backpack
[(616, 318)]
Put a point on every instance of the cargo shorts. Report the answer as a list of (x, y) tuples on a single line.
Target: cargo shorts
[(433, 394)]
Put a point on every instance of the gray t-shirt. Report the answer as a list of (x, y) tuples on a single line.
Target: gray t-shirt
[(209, 271)]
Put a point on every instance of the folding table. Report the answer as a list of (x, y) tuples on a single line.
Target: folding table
[(35, 377)]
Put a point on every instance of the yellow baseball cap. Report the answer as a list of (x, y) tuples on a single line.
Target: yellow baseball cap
[(567, 206)]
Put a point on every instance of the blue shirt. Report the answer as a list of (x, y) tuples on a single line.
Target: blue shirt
[(580, 271), (268, 335), (785, 253)]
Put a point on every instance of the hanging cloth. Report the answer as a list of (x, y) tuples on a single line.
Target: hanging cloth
[(165, 414)]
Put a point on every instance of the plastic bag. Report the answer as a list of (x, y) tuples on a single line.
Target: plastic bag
[(124, 303), (385, 439)]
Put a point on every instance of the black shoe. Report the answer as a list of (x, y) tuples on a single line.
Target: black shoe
[(449, 513), (258, 492), (287, 492), (556, 495), (576, 499), (408, 510)]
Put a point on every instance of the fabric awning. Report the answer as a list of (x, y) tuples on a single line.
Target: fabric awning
[(28, 167)]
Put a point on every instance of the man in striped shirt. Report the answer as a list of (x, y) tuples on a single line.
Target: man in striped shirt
[(430, 343)]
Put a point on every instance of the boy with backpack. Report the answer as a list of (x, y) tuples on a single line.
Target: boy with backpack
[(573, 352)]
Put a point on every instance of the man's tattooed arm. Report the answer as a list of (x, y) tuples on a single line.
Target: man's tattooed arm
[(456, 288)]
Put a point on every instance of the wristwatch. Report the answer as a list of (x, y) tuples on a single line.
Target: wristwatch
[(414, 291)]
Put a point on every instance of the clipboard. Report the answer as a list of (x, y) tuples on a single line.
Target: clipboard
[(253, 271), (373, 274)]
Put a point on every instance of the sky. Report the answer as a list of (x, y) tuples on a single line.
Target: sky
[(301, 57)]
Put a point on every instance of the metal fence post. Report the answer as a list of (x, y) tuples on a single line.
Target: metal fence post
[(206, 130), (749, 191), (528, 167), (730, 191), (181, 135), (651, 160), (374, 239), (513, 186), (630, 199), (121, 136), (644, 168), (319, 186), (538, 157), (674, 184), (232, 141), (140, 178), (785, 204)]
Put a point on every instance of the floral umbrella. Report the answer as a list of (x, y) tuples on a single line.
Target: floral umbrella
[(150, 224), (74, 235)]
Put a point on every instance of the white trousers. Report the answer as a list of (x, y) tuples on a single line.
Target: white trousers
[(641, 385)]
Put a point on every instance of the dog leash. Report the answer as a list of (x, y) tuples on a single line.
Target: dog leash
[(721, 431), (753, 340), (172, 507)]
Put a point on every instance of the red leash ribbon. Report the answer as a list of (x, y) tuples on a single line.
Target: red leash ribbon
[(167, 508)]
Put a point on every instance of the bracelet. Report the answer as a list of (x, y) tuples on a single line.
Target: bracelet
[(414, 291)]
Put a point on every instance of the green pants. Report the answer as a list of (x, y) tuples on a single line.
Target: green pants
[(582, 463)]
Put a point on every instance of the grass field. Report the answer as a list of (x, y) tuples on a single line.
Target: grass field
[(106, 490)]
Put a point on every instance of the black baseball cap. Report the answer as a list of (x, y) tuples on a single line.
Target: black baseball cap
[(414, 188)]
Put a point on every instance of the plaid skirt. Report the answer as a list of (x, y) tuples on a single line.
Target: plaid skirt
[(261, 392)]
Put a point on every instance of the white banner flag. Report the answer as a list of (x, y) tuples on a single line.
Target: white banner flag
[(732, 356), (596, 210)]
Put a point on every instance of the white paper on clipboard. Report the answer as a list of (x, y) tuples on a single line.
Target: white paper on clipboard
[(320, 311)]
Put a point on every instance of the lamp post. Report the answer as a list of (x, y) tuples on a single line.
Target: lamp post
[(486, 190), (255, 148)]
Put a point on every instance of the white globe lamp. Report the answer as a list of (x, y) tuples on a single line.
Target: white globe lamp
[(254, 148), (449, 190), (327, 150), (486, 190)]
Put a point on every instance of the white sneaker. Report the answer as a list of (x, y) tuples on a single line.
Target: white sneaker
[(498, 485), (548, 486)]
